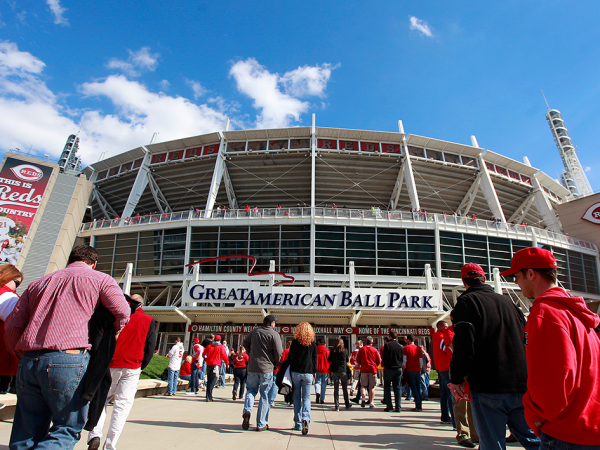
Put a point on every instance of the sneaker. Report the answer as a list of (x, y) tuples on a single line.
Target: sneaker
[(337, 407), (371, 406), (348, 406), (304, 427), (265, 428), (246, 422), (234, 395), (355, 400), (318, 398), (94, 443), (467, 443), (189, 393)]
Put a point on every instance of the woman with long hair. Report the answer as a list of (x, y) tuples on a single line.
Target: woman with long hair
[(303, 366), (10, 279), (240, 362), (338, 366)]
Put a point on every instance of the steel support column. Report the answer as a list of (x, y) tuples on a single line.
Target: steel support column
[(313, 151), (544, 207), (487, 186), (139, 185)]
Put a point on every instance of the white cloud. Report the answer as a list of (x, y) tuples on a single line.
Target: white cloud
[(279, 109), (57, 12), (33, 113), (307, 80), (421, 26), (165, 85), (588, 169), (136, 62), (197, 88)]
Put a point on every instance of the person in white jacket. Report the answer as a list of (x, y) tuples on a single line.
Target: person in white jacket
[(197, 361), (176, 354)]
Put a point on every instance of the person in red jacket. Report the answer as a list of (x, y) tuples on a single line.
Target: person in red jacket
[(369, 358), (214, 355), (442, 355), (562, 402), (240, 361), (322, 371), (135, 348), (412, 363), (10, 279)]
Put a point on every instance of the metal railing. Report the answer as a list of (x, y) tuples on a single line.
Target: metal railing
[(447, 222)]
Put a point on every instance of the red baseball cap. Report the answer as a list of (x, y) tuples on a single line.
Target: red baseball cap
[(218, 337), (471, 270), (531, 258)]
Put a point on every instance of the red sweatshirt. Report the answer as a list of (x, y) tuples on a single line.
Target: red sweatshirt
[(285, 354), (240, 362), (563, 365), (322, 355), (214, 353), (186, 369), (368, 358), (129, 353), (442, 355)]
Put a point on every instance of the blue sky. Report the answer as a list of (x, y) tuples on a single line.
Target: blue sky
[(448, 70)]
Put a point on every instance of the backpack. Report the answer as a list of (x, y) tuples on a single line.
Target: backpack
[(165, 375)]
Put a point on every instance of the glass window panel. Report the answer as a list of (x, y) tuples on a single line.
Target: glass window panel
[(257, 145), (435, 155), (329, 244), (278, 144), (328, 252), (468, 161), (299, 143), (416, 151), (452, 158), (236, 146)]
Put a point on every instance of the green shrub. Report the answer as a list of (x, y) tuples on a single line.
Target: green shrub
[(433, 375), (157, 366)]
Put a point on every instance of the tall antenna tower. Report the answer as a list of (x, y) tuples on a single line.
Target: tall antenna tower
[(573, 176)]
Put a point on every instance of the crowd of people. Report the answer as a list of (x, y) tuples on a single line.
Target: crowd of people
[(76, 342)]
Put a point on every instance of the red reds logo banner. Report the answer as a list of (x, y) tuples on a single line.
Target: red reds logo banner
[(22, 187), (27, 172), (593, 214)]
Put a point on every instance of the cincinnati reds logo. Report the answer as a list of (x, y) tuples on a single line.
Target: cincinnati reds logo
[(593, 214), (28, 172)]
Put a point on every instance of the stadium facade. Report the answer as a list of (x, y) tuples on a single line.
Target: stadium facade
[(373, 226)]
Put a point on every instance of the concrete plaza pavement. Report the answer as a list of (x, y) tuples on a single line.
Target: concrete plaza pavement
[(186, 421)]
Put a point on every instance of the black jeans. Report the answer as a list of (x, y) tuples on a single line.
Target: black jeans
[(211, 381), (239, 376), (392, 377), (337, 377)]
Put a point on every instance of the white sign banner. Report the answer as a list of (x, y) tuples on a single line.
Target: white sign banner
[(206, 294)]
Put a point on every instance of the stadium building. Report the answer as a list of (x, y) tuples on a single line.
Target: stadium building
[(373, 227)]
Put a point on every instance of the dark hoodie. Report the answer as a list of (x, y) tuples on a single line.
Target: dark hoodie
[(563, 363)]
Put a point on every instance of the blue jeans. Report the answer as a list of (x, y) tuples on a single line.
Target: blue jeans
[(549, 443), (491, 414), (186, 377), (391, 380), (321, 384), (255, 383), (222, 374), (446, 398), (273, 391), (414, 381), (425, 386), (172, 380), (203, 371), (301, 384), (194, 387), (49, 391)]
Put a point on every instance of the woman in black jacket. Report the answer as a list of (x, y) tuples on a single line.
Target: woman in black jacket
[(338, 360), (303, 366)]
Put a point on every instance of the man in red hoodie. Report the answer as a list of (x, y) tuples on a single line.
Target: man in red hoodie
[(442, 355), (368, 358), (135, 348), (322, 371), (562, 402)]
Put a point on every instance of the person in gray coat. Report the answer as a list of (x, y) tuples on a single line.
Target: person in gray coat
[(264, 349)]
